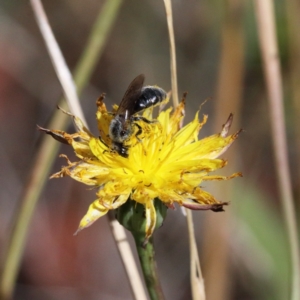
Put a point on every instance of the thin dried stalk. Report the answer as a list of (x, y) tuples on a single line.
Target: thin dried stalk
[(62, 71), (269, 50), (169, 16), (197, 282)]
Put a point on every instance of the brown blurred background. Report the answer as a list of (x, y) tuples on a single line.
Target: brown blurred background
[(243, 252)]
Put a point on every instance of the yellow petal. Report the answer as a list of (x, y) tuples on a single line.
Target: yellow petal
[(97, 148), (95, 211), (217, 177), (150, 219), (121, 199), (207, 165), (214, 145)]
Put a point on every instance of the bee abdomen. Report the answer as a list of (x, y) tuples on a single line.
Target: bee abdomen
[(150, 96)]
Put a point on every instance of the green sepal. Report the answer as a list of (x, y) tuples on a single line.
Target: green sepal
[(132, 215)]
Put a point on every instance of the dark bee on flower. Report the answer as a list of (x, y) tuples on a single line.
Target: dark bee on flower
[(136, 99)]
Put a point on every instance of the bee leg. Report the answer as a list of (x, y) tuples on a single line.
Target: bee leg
[(119, 148), (139, 132), (144, 120), (102, 141), (108, 148)]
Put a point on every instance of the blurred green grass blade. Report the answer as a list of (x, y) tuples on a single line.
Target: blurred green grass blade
[(95, 43), (267, 228)]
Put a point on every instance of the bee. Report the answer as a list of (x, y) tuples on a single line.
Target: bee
[(136, 99)]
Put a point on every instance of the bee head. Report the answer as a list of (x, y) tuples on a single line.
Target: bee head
[(119, 129)]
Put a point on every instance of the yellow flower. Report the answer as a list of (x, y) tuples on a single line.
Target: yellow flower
[(166, 162)]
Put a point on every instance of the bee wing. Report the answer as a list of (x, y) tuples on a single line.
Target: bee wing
[(132, 94)]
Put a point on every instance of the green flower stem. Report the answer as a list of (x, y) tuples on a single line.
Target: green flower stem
[(132, 216), (148, 264), (48, 151)]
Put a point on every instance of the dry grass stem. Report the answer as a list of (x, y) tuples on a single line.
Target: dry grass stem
[(62, 71), (269, 50), (197, 281), (169, 16)]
